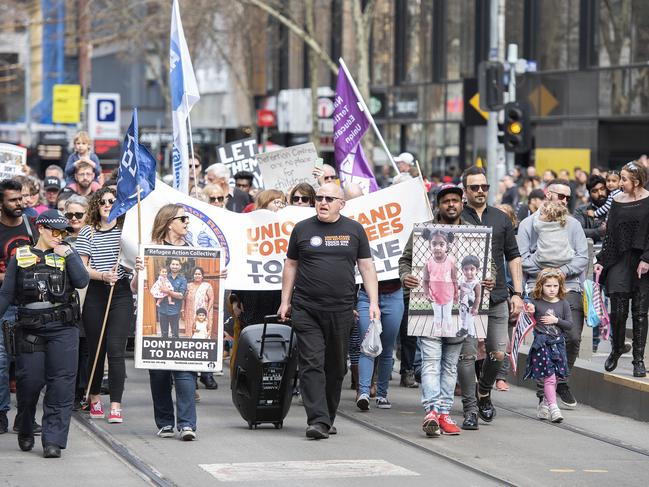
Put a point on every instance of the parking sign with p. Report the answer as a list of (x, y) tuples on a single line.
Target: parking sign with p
[(103, 116)]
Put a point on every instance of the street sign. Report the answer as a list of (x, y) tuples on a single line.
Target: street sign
[(266, 118), (473, 115), (543, 101), (66, 104), (104, 116)]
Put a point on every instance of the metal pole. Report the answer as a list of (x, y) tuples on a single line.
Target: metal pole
[(28, 85), (492, 122), (512, 58)]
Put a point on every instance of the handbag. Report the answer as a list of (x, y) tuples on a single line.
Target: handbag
[(371, 345)]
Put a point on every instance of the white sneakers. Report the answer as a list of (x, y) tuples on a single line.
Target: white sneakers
[(549, 412)]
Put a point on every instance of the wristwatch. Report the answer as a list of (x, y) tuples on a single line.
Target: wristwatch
[(516, 293), (68, 252)]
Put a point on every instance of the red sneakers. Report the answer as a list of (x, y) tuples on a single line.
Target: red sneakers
[(96, 410), (431, 425), (115, 416), (447, 425)]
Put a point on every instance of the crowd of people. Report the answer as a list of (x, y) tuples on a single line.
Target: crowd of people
[(60, 227)]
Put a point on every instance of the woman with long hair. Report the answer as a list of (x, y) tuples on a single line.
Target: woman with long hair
[(200, 295), (170, 228), (98, 245), (623, 264), (302, 194)]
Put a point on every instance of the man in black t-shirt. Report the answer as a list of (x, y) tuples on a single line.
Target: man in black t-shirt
[(15, 232), (318, 291)]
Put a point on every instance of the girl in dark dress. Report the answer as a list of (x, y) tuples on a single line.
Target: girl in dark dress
[(547, 359), (623, 264)]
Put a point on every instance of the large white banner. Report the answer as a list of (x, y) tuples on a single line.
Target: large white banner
[(255, 243)]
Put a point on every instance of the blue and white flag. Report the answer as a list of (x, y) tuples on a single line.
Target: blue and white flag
[(184, 94), (136, 172)]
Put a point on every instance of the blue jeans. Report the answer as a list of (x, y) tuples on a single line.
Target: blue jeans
[(438, 373), (5, 396), (163, 405), (391, 306)]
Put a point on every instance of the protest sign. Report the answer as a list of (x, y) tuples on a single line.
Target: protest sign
[(450, 262), (285, 168), (13, 154), (180, 333), (240, 156), (9, 171), (254, 244)]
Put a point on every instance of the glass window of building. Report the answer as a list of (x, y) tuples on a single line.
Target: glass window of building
[(460, 28), (558, 35), (418, 41), (382, 40), (623, 35)]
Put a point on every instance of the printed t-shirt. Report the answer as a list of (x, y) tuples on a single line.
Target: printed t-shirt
[(327, 255)]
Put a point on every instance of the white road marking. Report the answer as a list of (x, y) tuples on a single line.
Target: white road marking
[(246, 472)]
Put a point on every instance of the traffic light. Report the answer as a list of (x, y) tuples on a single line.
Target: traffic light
[(491, 85), (517, 131)]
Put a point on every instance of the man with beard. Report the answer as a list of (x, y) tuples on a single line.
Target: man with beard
[(15, 231), (594, 227), (439, 356), (84, 180)]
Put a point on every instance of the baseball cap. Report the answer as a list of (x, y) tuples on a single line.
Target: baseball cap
[(52, 182), (406, 157), (54, 219), (449, 188)]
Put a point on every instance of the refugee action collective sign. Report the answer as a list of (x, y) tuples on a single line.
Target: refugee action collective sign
[(283, 169), (255, 243), (240, 156)]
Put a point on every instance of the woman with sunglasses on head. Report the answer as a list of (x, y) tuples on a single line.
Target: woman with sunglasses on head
[(41, 281), (170, 228), (302, 194), (623, 264), (99, 246)]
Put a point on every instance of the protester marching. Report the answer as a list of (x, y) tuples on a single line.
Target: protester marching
[(379, 271)]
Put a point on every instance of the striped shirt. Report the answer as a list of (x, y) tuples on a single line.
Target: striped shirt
[(102, 247)]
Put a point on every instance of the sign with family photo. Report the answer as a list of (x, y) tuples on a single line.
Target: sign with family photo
[(180, 311), (450, 261)]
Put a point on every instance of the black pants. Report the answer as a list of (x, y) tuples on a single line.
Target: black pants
[(169, 322), (118, 328), (55, 369), (322, 353), (408, 343)]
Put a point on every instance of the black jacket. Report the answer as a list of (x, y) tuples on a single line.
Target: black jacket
[(591, 226), (503, 244)]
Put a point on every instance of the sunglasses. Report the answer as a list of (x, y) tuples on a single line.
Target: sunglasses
[(329, 178), (58, 233), (197, 166), (183, 219), (476, 187), (77, 214), (561, 196), (329, 199), (214, 199), (303, 199), (108, 202)]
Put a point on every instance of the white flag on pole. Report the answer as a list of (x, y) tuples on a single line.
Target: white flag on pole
[(184, 94)]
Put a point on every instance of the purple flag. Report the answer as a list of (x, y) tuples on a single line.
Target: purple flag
[(350, 124)]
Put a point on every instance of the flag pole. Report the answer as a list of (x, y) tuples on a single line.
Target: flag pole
[(367, 113), (421, 178), (191, 146), (139, 218)]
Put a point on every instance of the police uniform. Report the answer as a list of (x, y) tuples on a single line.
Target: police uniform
[(45, 338)]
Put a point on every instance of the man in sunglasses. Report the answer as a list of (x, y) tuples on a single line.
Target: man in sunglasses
[(318, 293), (559, 191), (503, 250)]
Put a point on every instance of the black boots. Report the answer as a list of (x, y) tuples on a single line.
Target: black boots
[(639, 313), (619, 315)]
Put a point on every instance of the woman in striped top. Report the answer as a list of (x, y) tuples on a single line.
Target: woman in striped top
[(98, 245)]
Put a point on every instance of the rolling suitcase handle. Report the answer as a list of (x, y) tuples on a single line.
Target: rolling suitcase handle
[(263, 333)]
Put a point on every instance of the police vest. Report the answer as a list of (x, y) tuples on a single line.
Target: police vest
[(42, 278)]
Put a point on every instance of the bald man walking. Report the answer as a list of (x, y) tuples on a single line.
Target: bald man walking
[(318, 293)]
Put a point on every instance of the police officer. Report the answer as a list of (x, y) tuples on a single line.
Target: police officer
[(41, 282)]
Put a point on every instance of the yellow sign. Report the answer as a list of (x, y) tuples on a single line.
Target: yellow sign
[(543, 101), (558, 159), (475, 103), (66, 104)]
